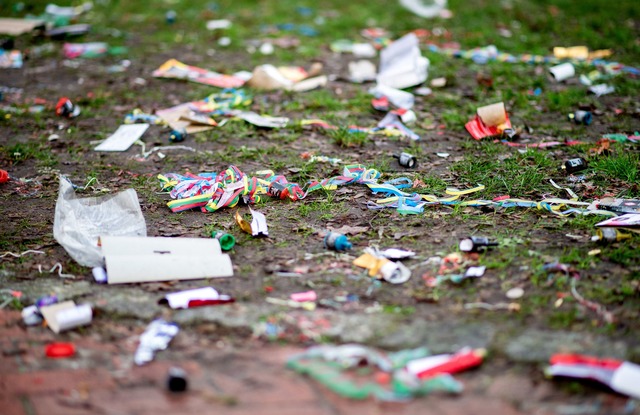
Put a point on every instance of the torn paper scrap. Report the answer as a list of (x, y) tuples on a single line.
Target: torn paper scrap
[(402, 64), (66, 315), (123, 138)]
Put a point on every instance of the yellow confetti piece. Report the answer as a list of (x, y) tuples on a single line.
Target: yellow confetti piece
[(244, 225)]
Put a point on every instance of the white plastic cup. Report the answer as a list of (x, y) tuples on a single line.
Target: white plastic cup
[(74, 317), (562, 72)]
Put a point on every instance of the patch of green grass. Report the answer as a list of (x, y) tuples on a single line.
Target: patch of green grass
[(623, 165), (519, 175), (21, 152), (345, 138)]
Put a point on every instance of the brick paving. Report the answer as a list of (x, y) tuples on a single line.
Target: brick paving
[(249, 379)]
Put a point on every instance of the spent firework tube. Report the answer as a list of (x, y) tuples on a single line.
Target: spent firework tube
[(427, 367), (623, 377), (4, 176), (74, 317), (475, 243)]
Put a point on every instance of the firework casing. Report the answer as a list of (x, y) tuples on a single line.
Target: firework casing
[(178, 136), (337, 241), (581, 117), (279, 190), (475, 243), (562, 72), (574, 165), (227, 241), (177, 380), (610, 235), (406, 160)]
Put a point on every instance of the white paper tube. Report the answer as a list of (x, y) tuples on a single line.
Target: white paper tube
[(562, 72)]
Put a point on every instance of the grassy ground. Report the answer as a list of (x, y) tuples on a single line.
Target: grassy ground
[(528, 238)]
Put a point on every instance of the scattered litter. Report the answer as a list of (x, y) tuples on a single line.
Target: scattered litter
[(100, 275), (490, 120), (79, 223), (66, 315), (337, 242), (197, 298), (406, 160), (629, 220), (430, 366), (339, 368), (136, 259), (59, 350), (610, 235), (11, 59), (475, 244), (156, 337), (177, 136), (177, 70), (562, 72), (16, 27), (602, 89), (492, 307), (268, 77), (31, 316), (581, 117), (395, 253), (258, 225), (515, 293), (574, 165), (30, 251), (226, 240), (362, 71), (138, 116), (383, 268), (428, 9), (402, 64), (57, 266), (621, 376), (306, 305), (65, 108), (304, 296), (218, 24), (264, 121), (397, 97), (618, 205), (177, 380), (123, 138)]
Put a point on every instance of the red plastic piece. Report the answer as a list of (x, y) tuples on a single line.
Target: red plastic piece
[(4, 176), (60, 105), (60, 350), (479, 130), (578, 359), (202, 303), (458, 363)]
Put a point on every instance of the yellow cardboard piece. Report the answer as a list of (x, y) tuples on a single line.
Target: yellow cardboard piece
[(370, 262), (573, 52)]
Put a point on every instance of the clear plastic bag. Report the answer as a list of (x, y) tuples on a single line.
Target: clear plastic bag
[(79, 222)]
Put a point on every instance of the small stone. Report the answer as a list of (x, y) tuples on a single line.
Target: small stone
[(515, 293)]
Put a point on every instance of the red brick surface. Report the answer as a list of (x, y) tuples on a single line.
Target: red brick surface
[(252, 379)]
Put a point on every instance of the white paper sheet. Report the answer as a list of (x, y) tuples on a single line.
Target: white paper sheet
[(123, 138)]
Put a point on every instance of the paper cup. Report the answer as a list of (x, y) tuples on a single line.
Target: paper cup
[(562, 72), (493, 115), (74, 317)]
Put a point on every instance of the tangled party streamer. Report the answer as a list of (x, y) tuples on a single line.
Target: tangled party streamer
[(211, 192)]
